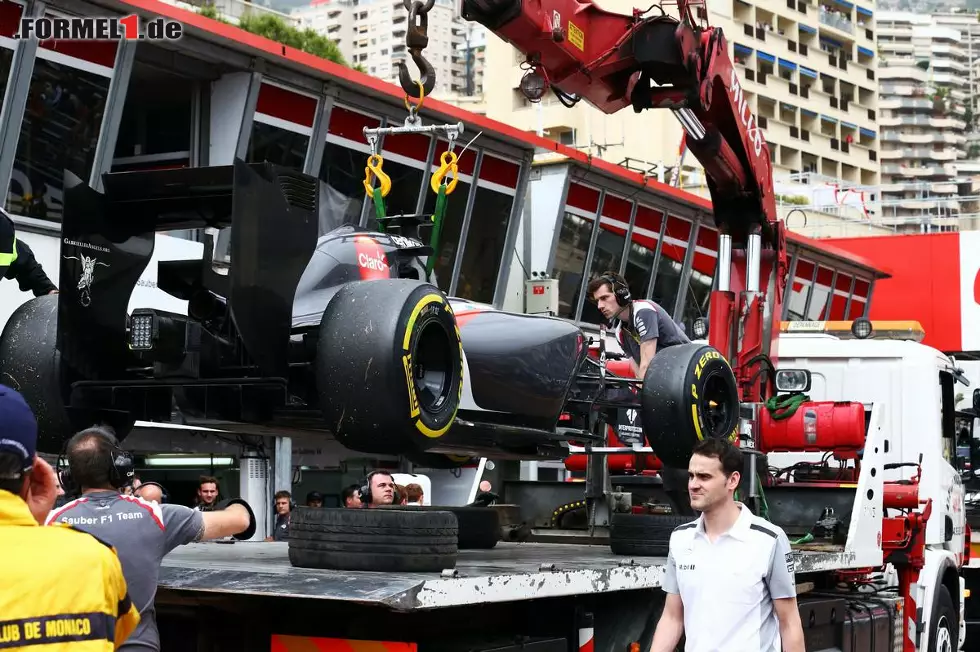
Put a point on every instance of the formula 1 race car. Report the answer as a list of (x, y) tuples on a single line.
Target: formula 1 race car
[(319, 326)]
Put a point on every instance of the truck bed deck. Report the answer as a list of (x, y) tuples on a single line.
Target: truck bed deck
[(510, 572)]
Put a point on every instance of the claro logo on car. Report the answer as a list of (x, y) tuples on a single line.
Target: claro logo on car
[(371, 260)]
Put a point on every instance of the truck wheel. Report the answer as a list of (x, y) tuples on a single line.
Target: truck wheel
[(689, 394), (385, 540), (944, 635), (31, 364), (643, 535), (389, 366)]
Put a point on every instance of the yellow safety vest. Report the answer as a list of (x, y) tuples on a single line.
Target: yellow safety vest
[(63, 590), (8, 244)]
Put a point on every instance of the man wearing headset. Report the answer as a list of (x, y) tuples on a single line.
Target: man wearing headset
[(142, 532), (17, 261), (641, 326), (379, 489)]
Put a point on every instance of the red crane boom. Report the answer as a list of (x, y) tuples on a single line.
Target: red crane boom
[(661, 62)]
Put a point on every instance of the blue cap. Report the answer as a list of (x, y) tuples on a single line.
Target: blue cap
[(18, 427)]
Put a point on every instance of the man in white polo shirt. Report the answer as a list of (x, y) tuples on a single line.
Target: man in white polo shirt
[(730, 580)]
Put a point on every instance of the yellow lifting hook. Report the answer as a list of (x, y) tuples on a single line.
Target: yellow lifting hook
[(449, 160), (374, 163)]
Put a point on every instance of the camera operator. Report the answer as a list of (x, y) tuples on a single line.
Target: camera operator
[(143, 532)]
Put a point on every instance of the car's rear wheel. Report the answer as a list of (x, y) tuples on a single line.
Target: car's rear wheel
[(689, 394), (389, 366), (31, 364)]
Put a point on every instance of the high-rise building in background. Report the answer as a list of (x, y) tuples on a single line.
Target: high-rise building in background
[(371, 34), (928, 100)]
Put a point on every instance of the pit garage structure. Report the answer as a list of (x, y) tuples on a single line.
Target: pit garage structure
[(220, 93)]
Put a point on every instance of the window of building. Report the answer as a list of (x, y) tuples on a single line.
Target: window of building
[(344, 158), (155, 128), (703, 268), (61, 124), (643, 249), (859, 300), (405, 157), (574, 237), (838, 302), (820, 292), (10, 13), (487, 234), (608, 252), (676, 235), (281, 127), (800, 289), (452, 221)]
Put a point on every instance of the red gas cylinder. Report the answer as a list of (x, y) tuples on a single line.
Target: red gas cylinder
[(619, 463), (815, 427)]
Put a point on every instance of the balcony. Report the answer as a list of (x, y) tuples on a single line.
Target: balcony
[(837, 22), (885, 102)]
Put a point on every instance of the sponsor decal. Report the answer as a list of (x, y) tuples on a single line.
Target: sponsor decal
[(87, 277), (371, 260), (629, 430), (403, 242)]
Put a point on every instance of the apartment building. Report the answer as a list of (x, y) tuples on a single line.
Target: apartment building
[(371, 33), (927, 98)]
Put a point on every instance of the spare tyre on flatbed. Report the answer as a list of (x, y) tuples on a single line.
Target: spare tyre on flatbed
[(385, 540)]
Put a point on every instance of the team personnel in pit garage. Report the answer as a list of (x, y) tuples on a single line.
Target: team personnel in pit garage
[(143, 532), (641, 326), (730, 579), (17, 261), (62, 589), (379, 489)]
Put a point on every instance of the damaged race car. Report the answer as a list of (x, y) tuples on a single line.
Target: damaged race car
[(318, 325)]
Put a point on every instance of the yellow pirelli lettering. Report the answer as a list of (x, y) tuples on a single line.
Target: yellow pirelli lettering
[(413, 400)]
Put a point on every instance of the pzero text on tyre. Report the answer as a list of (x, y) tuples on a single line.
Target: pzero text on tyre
[(384, 540), (389, 366), (689, 394), (31, 364)]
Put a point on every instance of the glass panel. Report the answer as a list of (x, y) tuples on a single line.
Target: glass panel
[(58, 135), (643, 248), (800, 289), (342, 167), (155, 129), (452, 221), (406, 180), (859, 300), (276, 145), (573, 243), (608, 251), (676, 237), (702, 278), (484, 245), (821, 295), (839, 302)]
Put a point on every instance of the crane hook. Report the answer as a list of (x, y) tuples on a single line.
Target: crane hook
[(427, 80)]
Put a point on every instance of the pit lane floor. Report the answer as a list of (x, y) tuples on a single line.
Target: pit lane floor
[(509, 572)]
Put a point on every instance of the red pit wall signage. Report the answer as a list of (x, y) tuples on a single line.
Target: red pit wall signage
[(935, 281), (281, 643)]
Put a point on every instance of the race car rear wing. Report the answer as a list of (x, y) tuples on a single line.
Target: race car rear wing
[(108, 239)]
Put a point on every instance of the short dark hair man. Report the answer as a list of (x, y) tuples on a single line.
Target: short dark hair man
[(728, 568), (17, 261), (142, 532), (641, 326), (379, 489), (350, 497)]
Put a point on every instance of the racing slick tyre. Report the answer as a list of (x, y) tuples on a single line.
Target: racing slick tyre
[(689, 394), (31, 364), (389, 366), (643, 535), (479, 527), (385, 540)]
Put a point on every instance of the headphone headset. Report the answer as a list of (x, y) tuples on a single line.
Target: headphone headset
[(121, 467), (164, 496), (366, 487), (620, 290)]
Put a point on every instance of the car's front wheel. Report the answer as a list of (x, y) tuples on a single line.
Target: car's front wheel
[(389, 366)]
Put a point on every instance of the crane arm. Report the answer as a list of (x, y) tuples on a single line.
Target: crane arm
[(613, 61)]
